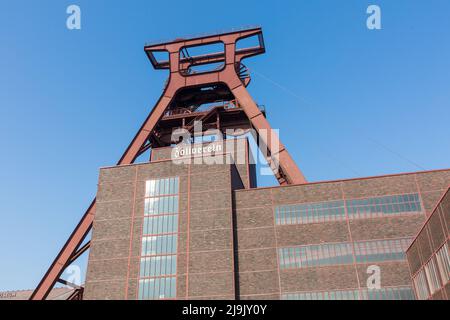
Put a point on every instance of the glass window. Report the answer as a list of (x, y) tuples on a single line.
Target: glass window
[(443, 261), (432, 276), (383, 206), (161, 205), (310, 213), (315, 255), (154, 245), (381, 250), (397, 293), (342, 253), (356, 209), (160, 224), (159, 241), (157, 288), (158, 266), (420, 283)]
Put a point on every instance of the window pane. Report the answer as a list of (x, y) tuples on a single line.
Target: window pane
[(310, 213), (160, 228), (380, 206)]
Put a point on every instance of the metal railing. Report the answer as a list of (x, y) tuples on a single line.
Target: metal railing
[(226, 104), (201, 35)]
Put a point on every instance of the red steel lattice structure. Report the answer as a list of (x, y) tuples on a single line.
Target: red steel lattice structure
[(187, 87)]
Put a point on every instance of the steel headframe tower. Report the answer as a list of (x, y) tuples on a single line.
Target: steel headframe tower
[(179, 106)]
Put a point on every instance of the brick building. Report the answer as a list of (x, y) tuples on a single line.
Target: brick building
[(428, 255), (167, 230)]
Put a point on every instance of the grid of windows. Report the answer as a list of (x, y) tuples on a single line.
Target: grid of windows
[(157, 288), (397, 293), (158, 266), (443, 261), (383, 206), (420, 283), (157, 245), (323, 295), (315, 255), (310, 213), (432, 276), (160, 224), (159, 240), (356, 208), (370, 251), (161, 205), (341, 253), (400, 293), (161, 187)]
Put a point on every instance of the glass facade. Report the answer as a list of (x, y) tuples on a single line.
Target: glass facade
[(315, 255), (420, 284), (310, 213), (356, 209), (394, 293), (342, 253), (383, 206), (443, 261), (381, 250), (434, 275), (157, 275)]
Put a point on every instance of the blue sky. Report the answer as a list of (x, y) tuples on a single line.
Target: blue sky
[(348, 101)]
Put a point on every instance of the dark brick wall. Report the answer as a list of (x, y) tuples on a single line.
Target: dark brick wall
[(205, 260), (228, 240), (259, 237), (113, 265)]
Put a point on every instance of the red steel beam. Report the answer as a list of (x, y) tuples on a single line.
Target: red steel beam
[(60, 263), (79, 252)]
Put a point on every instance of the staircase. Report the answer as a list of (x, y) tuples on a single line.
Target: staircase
[(279, 175), (201, 117), (243, 74)]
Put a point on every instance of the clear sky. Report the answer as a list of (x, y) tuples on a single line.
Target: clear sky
[(349, 102)]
